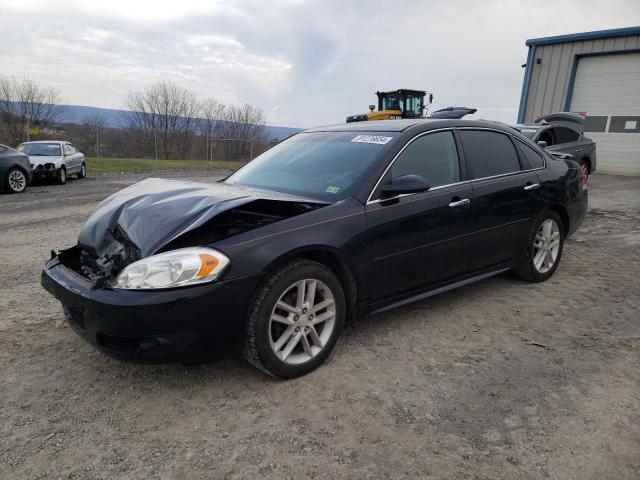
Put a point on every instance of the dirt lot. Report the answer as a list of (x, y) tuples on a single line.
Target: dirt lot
[(451, 387)]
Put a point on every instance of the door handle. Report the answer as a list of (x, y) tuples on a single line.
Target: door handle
[(577, 149), (532, 186), (460, 203)]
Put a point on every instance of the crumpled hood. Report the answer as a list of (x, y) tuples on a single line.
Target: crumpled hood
[(155, 211)]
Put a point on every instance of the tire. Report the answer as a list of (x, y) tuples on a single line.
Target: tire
[(264, 347), (15, 181), (61, 176), (529, 268), (584, 164), (83, 171)]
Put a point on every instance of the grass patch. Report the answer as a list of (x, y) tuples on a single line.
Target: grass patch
[(107, 165)]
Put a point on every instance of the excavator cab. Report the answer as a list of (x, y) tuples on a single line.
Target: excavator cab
[(402, 103)]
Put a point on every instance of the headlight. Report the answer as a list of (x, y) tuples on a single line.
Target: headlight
[(177, 268)]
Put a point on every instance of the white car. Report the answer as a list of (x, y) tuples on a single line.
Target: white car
[(54, 160)]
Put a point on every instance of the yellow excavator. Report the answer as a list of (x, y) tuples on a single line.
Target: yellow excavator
[(393, 104)]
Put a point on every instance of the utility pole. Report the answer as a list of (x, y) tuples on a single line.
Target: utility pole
[(97, 145)]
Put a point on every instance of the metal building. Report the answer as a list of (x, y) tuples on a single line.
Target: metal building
[(593, 72)]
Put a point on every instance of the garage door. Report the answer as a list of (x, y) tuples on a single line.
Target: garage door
[(607, 87)]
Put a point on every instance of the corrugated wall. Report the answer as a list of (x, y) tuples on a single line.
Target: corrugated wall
[(550, 79)]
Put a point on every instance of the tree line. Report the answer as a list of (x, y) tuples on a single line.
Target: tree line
[(164, 121)]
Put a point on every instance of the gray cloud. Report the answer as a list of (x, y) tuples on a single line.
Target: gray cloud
[(304, 62)]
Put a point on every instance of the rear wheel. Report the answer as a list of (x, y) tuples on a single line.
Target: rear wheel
[(296, 320), (61, 176), (16, 181), (83, 171), (586, 168), (543, 250)]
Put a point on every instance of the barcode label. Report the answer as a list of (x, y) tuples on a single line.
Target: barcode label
[(377, 139)]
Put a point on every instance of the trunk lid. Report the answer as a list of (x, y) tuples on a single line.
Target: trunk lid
[(572, 120)]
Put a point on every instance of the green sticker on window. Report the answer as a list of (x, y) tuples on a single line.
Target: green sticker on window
[(333, 189)]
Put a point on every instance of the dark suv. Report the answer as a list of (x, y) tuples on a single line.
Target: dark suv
[(561, 134)]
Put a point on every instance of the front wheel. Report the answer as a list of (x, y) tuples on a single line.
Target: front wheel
[(61, 176), (543, 250), (296, 320)]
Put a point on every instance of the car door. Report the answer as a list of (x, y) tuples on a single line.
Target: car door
[(77, 158), (68, 162), (565, 140), (506, 196), (415, 240)]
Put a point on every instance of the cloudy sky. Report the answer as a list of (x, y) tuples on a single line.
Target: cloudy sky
[(304, 62)]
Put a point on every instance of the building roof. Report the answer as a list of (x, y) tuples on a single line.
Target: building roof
[(576, 37)]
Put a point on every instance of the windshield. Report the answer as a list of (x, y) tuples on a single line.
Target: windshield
[(322, 165), (393, 102), (40, 149)]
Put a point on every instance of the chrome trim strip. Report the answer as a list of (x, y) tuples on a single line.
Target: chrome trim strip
[(439, 187), (370, 202)]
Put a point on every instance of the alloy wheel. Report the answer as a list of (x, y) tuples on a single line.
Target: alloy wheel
[(546, 246), (302, 321), (17, 181)]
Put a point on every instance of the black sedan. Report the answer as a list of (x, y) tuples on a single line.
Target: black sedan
[(331, 224), (15, 170)]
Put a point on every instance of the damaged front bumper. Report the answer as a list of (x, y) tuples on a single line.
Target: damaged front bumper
[(47, 171), (185, 325)]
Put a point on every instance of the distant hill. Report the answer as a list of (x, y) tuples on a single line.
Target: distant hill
[(118, 119)]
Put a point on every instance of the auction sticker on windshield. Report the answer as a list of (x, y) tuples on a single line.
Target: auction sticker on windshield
[(372, 139)]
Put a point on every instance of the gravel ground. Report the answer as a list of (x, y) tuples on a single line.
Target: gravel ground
[(500, 379)]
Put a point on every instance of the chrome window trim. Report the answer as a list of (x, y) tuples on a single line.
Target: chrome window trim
[(470, 181), (439, 187)]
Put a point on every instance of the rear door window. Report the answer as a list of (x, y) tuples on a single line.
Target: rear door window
[(565, 135), (433, 156), (489, 153), (533, 158)]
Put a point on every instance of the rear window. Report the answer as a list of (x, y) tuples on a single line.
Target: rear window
[(489, 153)]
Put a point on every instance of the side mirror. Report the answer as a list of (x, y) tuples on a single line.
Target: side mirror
[(542, 144), (562, 156), (405, 184)]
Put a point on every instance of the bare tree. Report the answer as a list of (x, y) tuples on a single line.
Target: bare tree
[(25, 104), (212, 117), (165, 115), (246, 125)]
